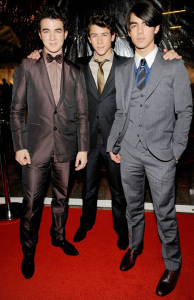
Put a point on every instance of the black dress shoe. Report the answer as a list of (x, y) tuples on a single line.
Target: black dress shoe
[(27, 266), (129, 259), (80, 235), (123, 242), (167, 282), (67, 247)]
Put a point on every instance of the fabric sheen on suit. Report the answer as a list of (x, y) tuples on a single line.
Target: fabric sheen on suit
[(52, 135)]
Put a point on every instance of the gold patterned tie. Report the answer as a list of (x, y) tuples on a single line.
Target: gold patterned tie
[(100, 75)]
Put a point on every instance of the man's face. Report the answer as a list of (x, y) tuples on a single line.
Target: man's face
[(142, 35), (101, 39), (52, 34)]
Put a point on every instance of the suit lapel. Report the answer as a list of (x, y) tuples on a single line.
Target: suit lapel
[(128, 79), (64, 81), (156, 74), (45, 79), (90, 79), (111, 75)]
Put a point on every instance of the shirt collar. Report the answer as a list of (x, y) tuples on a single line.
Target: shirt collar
[(149, 58), (110, 57), (53, 62)]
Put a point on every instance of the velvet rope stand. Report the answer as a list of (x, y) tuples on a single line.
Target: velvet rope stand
[(8, 211)]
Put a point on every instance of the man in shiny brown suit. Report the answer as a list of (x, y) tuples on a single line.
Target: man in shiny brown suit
[(53, 135)]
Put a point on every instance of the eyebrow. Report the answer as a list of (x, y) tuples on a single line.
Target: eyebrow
[(100, 33), (131, 23), (50, 29)]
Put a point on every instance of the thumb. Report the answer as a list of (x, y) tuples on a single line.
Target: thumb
[(77, 162), (28, 158)]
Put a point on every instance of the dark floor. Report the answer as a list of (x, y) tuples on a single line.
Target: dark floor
[(184, 178)]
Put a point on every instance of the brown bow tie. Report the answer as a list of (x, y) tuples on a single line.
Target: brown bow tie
[(58, 58)]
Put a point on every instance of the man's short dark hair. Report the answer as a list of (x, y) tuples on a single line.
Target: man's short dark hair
[(146, 11), (52, 12), (101, 19)]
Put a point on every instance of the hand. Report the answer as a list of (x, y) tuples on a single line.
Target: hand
[(23, 157), (115, 157), (35, 54), (81, 160), (171, 54), (177, 160)]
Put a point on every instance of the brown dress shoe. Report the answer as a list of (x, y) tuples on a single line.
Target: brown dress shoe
[(129, 259), (167, 282)]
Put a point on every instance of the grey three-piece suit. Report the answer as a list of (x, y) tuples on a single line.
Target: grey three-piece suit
[(157, 132)]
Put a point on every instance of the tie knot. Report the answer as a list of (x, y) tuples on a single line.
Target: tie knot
[(58, 58), (142, 62), (101, 62)]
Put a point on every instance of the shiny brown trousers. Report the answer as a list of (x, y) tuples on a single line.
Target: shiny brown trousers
[(35, 181)]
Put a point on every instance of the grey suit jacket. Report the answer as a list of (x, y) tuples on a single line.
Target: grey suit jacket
[(167, 108), (47, 127)]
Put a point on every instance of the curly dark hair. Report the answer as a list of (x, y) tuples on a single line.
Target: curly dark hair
[(103, 19), (52, 12)]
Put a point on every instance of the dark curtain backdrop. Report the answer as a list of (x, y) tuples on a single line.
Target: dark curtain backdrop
[(20, 16)]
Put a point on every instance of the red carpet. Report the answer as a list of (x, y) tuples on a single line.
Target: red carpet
[(94, 274)]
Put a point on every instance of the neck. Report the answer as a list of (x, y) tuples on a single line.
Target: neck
[(146, 51), (103, 57), (53, 53)]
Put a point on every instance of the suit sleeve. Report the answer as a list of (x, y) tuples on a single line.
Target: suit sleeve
[(81, 115), (18, 108), (183, 109), (119, 115)]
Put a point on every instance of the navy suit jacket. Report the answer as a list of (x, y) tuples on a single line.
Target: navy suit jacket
[(101, 108)]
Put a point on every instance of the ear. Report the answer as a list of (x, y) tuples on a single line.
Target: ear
[(156, 29), (65, 34), (113, 37), (89, 39), (129, 34), (39, 35)]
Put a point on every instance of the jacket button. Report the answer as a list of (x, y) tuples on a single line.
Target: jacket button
[(55, 128), (141, 95), (55, 112), (97, 117)]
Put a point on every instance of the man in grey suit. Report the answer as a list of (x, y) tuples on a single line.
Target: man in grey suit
[(148, 137)]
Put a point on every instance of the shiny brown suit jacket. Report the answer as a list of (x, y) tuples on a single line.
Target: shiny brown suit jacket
[(40, 126)]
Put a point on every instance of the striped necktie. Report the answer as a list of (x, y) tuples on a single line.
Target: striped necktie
[(100, 76), (141, 79)]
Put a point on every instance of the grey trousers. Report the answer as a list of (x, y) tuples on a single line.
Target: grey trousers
[(136, 164)]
